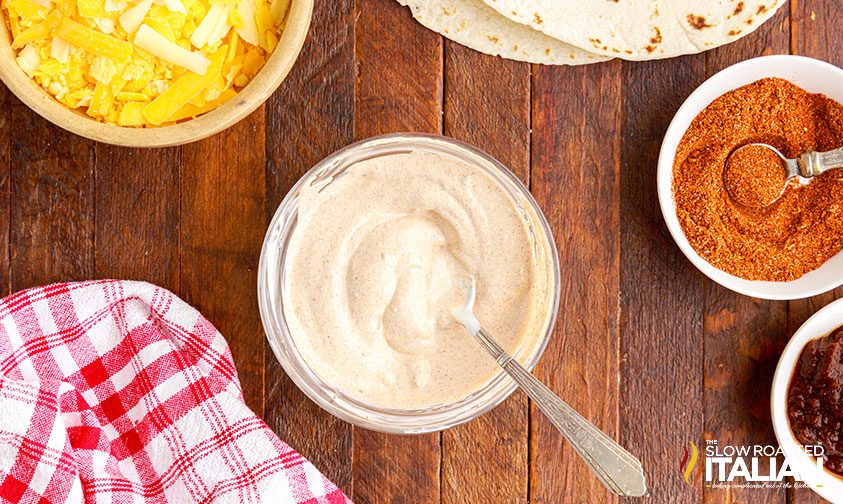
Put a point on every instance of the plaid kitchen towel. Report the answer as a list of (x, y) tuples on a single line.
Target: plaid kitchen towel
[(119, 392)]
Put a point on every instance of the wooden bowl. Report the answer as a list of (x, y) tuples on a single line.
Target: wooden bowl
[(251, 97)]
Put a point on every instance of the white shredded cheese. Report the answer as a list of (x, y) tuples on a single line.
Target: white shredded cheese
[(209, 23), (249, 32), (277, 8), (158, 45), (59, 49), (115, 5), (158, 85), (28, 59), (106, 25), (132, 18), (221, 30), (175, 6)]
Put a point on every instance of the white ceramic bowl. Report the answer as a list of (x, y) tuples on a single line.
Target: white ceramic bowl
[(812, 75), (820, 324)]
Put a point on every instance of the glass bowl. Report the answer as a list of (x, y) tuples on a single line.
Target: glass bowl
[(271, 290)]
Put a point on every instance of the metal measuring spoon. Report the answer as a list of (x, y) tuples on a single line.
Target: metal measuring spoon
[(807, 165), (615, 467)]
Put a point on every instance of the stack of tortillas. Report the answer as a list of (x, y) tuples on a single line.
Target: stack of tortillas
[(576, 32)]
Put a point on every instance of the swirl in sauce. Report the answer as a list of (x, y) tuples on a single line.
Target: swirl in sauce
[(371, 272)]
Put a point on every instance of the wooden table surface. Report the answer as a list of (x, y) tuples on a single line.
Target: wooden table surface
[(645, 346)]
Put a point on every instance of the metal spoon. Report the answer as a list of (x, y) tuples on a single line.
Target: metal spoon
[(615, 467), (807, 165)]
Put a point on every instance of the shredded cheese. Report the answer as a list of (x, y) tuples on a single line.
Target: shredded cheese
[(132, 18), (159, 46), (59, 50), (94, 41), (183, 90), (143, 63), (249, 32)]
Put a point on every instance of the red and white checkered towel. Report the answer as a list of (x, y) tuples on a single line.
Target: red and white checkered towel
[(119, 392)]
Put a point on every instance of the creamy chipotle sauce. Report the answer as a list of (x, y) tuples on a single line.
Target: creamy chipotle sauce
[(372, 269)]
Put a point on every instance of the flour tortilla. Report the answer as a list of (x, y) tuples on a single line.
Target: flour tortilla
[(472, 23), (641, 29)]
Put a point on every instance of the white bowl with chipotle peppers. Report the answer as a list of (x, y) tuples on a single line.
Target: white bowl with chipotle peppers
[(820, 325), (814, 76)]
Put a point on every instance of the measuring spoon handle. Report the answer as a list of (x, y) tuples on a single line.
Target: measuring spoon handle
[(812, 164), (615, 467)]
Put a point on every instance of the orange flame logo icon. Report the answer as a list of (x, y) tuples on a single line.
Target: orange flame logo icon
[(686, 467)]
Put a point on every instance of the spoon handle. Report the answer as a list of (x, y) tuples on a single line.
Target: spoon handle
[(615, 467), (812, 164)]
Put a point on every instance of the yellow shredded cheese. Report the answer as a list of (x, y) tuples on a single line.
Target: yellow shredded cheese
[(94, 41), (143, 63), (183, 90)]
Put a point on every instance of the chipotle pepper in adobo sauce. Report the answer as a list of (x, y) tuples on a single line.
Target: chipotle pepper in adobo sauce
[(815, 398)]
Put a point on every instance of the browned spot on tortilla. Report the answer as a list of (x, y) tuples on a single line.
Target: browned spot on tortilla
[(572, 56), (493, 39), (657, 38), (628, 51), (761, 9), (614, 49), (738, 9), (595, 42), (697, 22), (547, 51), (538, 18), (734, 33), (749, 21)]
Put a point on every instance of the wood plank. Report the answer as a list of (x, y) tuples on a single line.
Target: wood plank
[(487, 104), (52, 182), (5, 191), (743, 336), (309, 117), (816, 28), (661, 346), (399, 88), (575, 179), (222, 228), (137, 214)]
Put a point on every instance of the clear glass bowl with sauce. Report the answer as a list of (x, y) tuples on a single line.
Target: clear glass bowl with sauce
[(271, 290)]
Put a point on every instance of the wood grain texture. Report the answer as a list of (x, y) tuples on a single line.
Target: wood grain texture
[(661, 345), (222, 227), (744, 337), (399, 88), (816, 28), (52, 202), (487, 104), (309, 117), (137, 221), (5, 190), (575, 179)]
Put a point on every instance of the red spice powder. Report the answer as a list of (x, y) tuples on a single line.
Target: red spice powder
[(799, 231), (755, 176)]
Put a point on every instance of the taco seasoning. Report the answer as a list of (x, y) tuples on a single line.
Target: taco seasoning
[(815, 398), (759, 235)]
